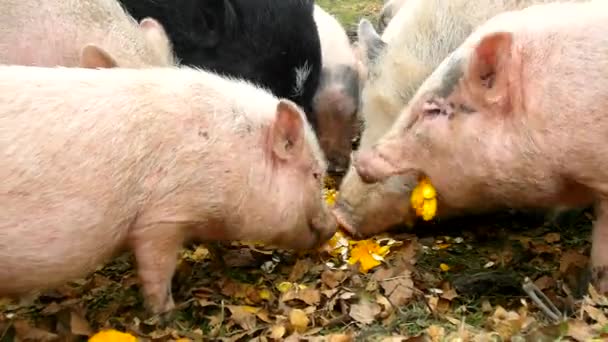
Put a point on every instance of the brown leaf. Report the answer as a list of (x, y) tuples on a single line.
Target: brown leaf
[(387, 307), (365, 311), (238, 257), (552, 237), (299, 270), (449, 294), (243, 315), (25, 332), (309, 296), (79, 324), (571, 258), (579, 331), (436, 333), (332, 279), (544, 282), (399, 289)]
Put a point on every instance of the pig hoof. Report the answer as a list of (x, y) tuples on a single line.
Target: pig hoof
[(599, 278), (159, 307)]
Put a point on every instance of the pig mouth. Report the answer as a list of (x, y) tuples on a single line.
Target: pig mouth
[(342, 211)]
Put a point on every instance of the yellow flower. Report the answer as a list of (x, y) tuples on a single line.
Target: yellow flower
[(368, 253), (112, 335), (424, 199), (444, 267), (330, 196)]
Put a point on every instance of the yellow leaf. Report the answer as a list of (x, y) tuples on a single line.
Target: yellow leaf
[(368, 253), (298, 320), (112, 335), (250, 309), (201, 253), (284, 286), (265, 294), (442, 245), (444, 267), (183, 339)]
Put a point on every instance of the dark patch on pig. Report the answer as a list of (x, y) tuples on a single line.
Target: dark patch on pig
[(262, 41), (466, 109), (450, 78), (203, 134), (345, 75), (374, 49)]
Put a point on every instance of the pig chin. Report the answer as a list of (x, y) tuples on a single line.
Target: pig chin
[(373, 216)]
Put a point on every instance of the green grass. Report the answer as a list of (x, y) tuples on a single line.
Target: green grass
[(349, 12)]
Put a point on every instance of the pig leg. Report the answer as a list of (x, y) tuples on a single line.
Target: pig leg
[(156, 255), (599, 250)]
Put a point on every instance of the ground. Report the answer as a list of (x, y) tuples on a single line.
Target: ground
[(458, 280)]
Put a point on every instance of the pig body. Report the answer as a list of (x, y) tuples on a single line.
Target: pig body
[(337, 97), (273, 44), (397, 65), (145, 160), (91, 33), (516, 117), (388, 12)]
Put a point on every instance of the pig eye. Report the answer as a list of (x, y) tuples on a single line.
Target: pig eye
[(317, 175), (431, 109)]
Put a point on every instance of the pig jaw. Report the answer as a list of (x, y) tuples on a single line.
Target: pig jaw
[(367, 209)]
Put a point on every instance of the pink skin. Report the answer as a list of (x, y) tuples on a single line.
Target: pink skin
[(146, 160), (89, 33), (499, 122)]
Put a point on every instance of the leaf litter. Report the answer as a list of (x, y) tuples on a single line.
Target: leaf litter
[(393, 287)]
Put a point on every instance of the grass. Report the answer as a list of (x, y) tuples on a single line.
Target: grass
[(349, 12)]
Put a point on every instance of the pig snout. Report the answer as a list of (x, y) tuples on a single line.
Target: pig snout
[(323, 226), (372, 167), (338, 162), (344, 214)]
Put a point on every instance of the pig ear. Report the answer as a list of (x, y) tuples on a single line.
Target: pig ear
[(154, 31), (489, 62), (215, 19), (156, 35), (287, 134), (93, 57), (370, 43)]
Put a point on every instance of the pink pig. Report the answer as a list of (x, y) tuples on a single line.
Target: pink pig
[(87, 33), (516, 116), (95, 161)]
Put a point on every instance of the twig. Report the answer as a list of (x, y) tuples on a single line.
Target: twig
[(546, 306)]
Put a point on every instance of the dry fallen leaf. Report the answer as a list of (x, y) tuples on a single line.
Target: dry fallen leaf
[(299, 269), (243, 315), (298, 319), (79, 324), (552, 237), (277, 332), (332, 278), (309, 296), (436, 333), (25, 332), (365, 311), (397, 286)]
